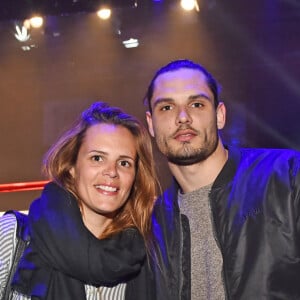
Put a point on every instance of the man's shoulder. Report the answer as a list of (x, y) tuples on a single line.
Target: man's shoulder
[(269, 161), (169, 194), (271, 154), (166, 204), (278, 151)]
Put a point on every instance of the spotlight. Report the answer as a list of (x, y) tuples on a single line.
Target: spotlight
[(22, 34), (189, 5), (104, 13), (36, 21), (131, 43)]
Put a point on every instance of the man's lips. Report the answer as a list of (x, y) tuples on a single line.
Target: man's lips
[(184, 135)]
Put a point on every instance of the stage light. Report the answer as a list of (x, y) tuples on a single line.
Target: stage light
[(22, 34), (189, 5), (36, 21), (131, 43), (104, 13), (27, 24)]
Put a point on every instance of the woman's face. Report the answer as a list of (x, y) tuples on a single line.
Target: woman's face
[(104, 171)]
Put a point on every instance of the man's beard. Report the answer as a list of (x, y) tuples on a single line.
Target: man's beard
[(189, 155)]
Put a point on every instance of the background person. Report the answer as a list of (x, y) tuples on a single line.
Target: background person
[(91, 228), (229, 226)]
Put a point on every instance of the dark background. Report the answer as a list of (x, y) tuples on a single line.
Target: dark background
[(251, 47)]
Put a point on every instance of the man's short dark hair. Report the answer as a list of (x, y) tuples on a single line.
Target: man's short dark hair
[(183, 64)]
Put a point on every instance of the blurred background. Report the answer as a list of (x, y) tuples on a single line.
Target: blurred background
[(53, 68)]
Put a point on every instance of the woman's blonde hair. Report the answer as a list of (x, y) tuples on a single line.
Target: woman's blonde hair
[(62, 156)]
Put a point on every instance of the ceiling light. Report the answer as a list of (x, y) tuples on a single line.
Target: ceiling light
[(36, 21), (104, 13), (189, 4), (131, 43), (22, 34)]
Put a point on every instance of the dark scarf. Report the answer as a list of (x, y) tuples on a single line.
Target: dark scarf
[(63, 255)]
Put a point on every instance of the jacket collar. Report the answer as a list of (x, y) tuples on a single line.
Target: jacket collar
[(230, 167)]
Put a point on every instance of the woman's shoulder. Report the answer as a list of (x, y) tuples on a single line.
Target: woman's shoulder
[(8, 226)]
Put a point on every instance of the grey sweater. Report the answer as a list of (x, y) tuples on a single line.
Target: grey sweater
[(206, 258)]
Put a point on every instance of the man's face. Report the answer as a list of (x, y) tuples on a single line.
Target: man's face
[(184, 120)]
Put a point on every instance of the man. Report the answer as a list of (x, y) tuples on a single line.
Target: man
[(229, 227)]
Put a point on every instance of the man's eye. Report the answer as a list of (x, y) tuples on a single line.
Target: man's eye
[(197, 104), (166, 107)]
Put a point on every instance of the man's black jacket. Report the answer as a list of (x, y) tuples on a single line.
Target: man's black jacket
[(256, 219)]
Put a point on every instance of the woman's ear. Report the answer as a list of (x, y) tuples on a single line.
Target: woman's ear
[(221, 115), (72, 172)]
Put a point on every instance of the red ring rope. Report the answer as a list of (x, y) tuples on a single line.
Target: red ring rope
[(22, 186)]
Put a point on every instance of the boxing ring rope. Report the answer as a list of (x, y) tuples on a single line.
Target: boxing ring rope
[(22, 186)]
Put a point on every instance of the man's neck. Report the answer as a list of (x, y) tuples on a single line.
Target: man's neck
[(193, 177)]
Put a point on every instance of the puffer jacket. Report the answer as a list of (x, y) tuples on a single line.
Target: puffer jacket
[(256, 219)]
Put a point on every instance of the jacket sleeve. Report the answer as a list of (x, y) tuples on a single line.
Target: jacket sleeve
[(296, 191)]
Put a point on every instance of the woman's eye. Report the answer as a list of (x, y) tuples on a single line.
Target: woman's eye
[(96, 158), (125, 163)]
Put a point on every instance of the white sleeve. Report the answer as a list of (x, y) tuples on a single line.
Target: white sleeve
[(8, 240)]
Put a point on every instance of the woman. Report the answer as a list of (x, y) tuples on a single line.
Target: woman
[(91, 228)]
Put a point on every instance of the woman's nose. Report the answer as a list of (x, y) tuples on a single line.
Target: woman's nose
[(110, 170)]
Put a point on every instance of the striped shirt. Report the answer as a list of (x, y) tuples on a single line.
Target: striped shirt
[(8, 241)]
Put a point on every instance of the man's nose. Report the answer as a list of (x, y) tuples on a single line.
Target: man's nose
[(183, 116)]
